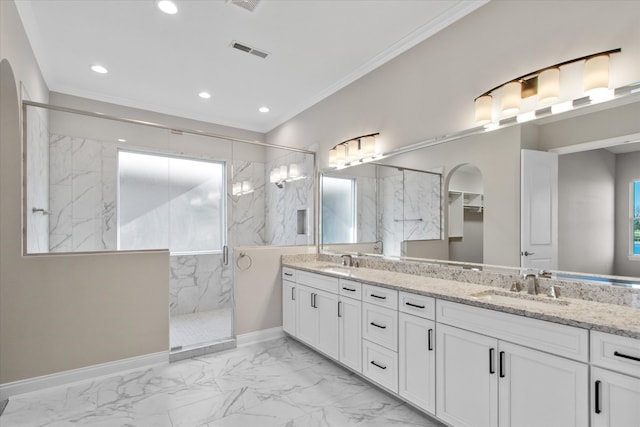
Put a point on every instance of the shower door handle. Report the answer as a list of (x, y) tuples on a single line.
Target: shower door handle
[(225, 255)]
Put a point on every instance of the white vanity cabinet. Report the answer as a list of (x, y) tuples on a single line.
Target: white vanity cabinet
[(289, 307), (416, 350), (380, 336), (350, 325), (615, 396), (488, 373), (317, 317)]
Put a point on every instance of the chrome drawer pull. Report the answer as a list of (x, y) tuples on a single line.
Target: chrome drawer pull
[(378, 326), (626, 356), (379, 366)]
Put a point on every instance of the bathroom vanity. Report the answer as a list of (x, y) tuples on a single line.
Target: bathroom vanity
[(471, 355)]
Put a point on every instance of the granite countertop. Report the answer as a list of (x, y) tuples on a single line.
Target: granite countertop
[(610, 318)]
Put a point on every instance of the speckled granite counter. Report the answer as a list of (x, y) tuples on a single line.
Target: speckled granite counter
[(611, 318)]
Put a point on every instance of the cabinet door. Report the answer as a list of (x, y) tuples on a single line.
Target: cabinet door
[(307, 315), (289, 307), (466, 379), (616, 399), (326, 306), (539, 389), (417, 361), (350, 333)]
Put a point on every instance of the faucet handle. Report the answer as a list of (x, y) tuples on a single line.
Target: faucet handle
[(554, 292), (516, 286)]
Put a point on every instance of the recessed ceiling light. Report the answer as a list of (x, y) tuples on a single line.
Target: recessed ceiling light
[(263, 109), (99, 69), (122, 140), (167, 6), (205, 95)]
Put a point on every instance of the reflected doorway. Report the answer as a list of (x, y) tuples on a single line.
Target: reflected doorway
[(466, 210)]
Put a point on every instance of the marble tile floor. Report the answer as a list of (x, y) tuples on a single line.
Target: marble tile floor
[(205, 327), (278, 383)]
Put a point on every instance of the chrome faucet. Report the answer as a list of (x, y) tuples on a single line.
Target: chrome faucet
[(347, 261), (532, 284)]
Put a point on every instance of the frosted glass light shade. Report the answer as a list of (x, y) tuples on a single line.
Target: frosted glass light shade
[(333, 161), (368, 146), (511, 98), (596, 74), (549, 85), (283, 172), (484, 110), (294, 170), (274, 176), (353, 150), (341, 154)]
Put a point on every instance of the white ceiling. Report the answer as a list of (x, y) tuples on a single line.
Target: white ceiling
[(161, 62)]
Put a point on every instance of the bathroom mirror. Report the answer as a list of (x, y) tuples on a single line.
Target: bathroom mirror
[(381, 209), (598, 157)]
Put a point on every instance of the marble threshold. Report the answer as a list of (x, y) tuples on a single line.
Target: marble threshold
[(600, 316)]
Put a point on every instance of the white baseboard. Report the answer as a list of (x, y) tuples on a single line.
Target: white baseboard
[(88, 373), (259, 336)]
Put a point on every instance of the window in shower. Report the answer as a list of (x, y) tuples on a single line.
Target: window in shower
[(170, 202)]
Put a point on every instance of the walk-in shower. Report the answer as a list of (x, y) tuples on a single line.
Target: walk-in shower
[(104, 183)]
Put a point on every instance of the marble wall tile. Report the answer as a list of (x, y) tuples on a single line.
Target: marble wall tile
[(82, 194), (366, 209), (37, 191), (247, 225), (199, 282), (410, 209), (282, 204)]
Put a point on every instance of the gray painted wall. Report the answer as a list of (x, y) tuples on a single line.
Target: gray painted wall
[(586, 195)]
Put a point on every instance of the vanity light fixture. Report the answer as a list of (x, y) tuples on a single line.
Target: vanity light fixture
[(242, 188), (167, 6), (280, 175), (545, 83), (204, 95), (264, 109), (355, 150)]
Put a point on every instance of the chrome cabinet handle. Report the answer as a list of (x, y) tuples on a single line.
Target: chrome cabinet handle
[(293, 295), (430, 340), (339, 306)]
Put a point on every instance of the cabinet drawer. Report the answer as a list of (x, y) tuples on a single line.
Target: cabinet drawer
[(380, 325), (380, 365), (417, 305), (351, 289), (289, 273), (615, 352), (383, 297), (318, 281), (563, 340)]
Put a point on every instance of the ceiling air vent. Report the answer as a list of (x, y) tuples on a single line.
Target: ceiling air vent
[(249, 5), (249, 49)]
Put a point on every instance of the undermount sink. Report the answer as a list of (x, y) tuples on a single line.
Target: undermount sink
[(336, 269), (523, 299)]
